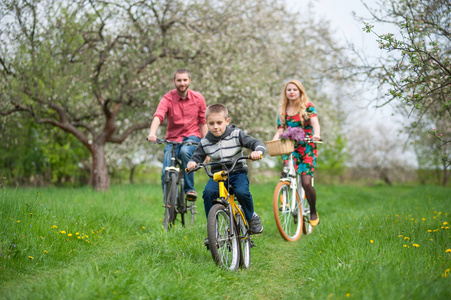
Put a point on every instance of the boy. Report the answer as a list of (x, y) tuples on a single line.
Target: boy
[(224, 142)]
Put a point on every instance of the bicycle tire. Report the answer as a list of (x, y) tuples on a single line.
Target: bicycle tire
[(245, 242), (181, 204), (223, 238), (169, 201), (289, 228)]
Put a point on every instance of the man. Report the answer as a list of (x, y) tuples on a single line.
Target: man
[(185, 113)]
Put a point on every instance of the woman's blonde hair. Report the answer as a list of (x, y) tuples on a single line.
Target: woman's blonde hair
[(301, 103)]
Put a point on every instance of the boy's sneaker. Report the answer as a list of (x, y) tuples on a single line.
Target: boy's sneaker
[(255, 226)]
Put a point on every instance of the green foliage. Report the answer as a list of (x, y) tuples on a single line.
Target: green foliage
[(372, 243), (332, 156), (37, 156), (97, 69), (416, 72)]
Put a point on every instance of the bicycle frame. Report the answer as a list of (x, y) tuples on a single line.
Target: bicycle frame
[(224, 195)]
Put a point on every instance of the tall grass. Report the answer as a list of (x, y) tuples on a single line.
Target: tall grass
[(372, 243)]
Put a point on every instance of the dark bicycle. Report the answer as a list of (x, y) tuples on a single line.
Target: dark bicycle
[(175, 200)]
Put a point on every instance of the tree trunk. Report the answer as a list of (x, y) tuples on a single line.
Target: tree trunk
[(100, 179), (132, 173)]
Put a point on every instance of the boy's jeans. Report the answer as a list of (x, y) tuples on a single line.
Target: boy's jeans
[(240, 183), (184, 153)]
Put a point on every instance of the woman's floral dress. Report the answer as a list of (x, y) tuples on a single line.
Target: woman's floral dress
[(304, 154)]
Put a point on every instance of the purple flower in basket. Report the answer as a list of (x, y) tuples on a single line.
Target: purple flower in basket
[(293, 133)]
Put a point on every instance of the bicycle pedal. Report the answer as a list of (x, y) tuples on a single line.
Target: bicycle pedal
[(252, 243)]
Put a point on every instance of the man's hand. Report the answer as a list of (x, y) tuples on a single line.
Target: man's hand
[(207, 159), (191, 165), (152, 138), (256, 155)]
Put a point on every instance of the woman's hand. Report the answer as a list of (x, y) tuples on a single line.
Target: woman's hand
[(316, 138), (278, 133)]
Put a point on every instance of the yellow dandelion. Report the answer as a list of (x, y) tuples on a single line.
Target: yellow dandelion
[(435, 230), (439, 212), (407, 238), (54, 226), (86, 236), (63, 232), (396, 215), (18, 221), (103, 228), (30, 257), (41, 237), (435, 217), (79, 237), (87, 241), (77, 233), (144, 227), (443, 227), (31, 214), (82, 237), (416, 245), (348, 295), (447, 227), (45, 251), (445, 223), (400, 235), (405, 246), (412, 219), (371, 241), (429, 230), (424, 219), (448, 251), (70, 234), (186, 237)]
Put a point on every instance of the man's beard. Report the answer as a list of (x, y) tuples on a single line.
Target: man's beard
[(182, 91)]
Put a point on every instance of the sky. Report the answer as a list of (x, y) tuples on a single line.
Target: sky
[(347, 28)]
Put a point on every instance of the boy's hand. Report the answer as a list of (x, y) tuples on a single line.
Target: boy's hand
[(191, 165), (256, 155)]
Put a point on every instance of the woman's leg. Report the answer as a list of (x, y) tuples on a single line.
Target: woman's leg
[(310, 193)]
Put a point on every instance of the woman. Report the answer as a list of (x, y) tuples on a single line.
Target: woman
[(295, 110)]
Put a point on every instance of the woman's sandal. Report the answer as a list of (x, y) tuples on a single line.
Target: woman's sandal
[(315, 222)]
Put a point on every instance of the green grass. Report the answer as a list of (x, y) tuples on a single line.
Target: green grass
[(363, 248)]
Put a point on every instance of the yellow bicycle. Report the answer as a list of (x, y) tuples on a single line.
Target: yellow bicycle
[(228, 231)]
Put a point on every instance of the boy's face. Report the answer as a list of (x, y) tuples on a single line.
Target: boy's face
[(217, 123)]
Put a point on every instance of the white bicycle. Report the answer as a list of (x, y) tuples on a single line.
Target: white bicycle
[(289, 200)]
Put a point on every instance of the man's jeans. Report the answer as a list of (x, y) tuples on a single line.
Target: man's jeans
[(240, 183), (184, 153)]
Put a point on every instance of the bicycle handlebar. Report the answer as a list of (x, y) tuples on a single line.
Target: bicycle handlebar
[(223, 162), (165, 141), (310, 140)]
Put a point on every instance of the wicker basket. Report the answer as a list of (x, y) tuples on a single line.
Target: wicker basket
[(279, 147)]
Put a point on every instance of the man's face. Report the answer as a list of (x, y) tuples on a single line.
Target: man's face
[(182, 82), (217, 123)]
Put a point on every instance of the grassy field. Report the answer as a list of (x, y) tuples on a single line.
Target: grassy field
[(373, 243)]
